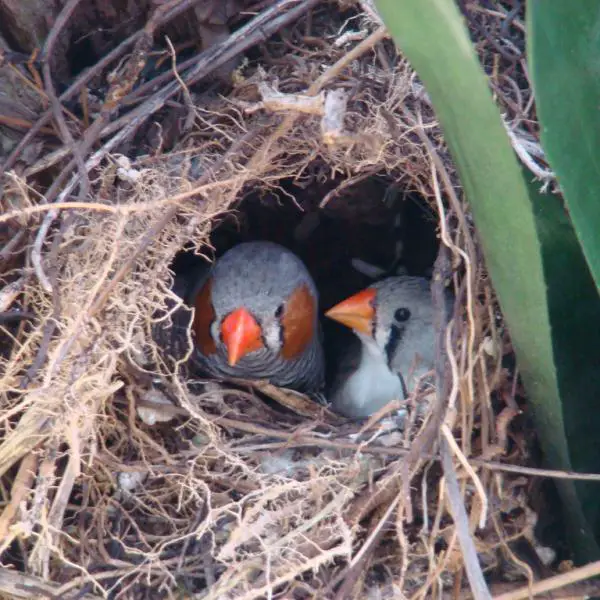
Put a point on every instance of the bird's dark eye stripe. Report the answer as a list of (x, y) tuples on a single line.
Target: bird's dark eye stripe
[(279, 315), (396, 334), (374, 319)]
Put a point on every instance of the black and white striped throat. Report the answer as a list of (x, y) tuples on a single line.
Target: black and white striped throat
[(397, 328)]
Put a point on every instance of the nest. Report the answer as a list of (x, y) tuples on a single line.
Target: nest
[(123, 479)]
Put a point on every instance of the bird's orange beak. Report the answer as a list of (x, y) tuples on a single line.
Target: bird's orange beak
[(241, 334), (356, 312)]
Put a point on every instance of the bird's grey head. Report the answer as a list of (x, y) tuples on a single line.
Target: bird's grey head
[(384, 311), (260, 297), (400, 303)]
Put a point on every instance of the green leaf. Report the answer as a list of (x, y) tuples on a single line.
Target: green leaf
[(522, 234), (574, 309), (564, 59)]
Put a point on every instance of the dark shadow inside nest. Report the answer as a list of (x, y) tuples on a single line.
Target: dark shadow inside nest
[(373, 222)]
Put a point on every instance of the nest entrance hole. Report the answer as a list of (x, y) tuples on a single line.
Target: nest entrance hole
[(372, 222), (386, 230)]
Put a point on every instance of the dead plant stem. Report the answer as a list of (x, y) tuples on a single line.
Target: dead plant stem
[(332, 72), (553, 583), (85, 77), (459, 514)]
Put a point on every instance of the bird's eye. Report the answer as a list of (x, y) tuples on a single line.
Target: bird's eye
[(401, 315), (279, 311)]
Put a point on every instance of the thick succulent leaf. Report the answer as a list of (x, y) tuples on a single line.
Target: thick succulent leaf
[(514, 223), (563, 45)]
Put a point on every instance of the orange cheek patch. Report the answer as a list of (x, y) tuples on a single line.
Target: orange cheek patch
[(298, 322), (203, 318)]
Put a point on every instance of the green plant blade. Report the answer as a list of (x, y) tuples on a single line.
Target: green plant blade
[(563, 45), (573, 306), (513, 222)]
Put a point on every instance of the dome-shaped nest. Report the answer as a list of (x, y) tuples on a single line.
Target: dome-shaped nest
[(297, 123)]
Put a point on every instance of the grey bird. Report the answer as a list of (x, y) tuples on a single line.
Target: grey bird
[(395, 344), (257, 317)]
